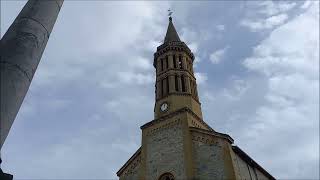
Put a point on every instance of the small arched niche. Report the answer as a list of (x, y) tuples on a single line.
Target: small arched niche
[(166, 176)]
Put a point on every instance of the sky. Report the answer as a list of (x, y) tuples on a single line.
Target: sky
[(257, 69)]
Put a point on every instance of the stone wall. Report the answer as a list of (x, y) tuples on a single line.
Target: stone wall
[(246, 171), (208, 159), (132, 171), (261, 176), (252, 172), (242, 168), (165, 151)]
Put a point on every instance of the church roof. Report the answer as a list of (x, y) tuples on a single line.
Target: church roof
[(136, 154), (172, 34), (250, 161)]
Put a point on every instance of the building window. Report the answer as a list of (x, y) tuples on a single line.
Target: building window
[(166, 176), (163, 86), (174, 61), (161, 60), (167, 62), (176, 83), (191, 83), (183, 86), (180, 62), (159, 89), (167, 79), (194, 89), (187, 66), (196, 92)]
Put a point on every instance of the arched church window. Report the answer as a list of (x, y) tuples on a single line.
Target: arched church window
[(187, 64), (180, 62), (174, 61), (183, 86), (192, 89), (166, 176), (167, 62), (176, 83), (161, 61), (167, 81), (159, 89), (163, 87)]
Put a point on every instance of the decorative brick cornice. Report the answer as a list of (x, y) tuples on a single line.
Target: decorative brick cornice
[(182, 110), (206, 139), (164, 126), (212, 133), (174, 71), (172, 46), (179, 94), (161, 119), (200, 120)]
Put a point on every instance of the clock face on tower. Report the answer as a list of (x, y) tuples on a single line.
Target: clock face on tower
[(164, 107)]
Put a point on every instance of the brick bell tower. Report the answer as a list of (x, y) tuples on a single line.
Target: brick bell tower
[(176, 85), (178, 144)]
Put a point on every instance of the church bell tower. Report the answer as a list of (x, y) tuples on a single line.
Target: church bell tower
[(177, 143), (176, 85)]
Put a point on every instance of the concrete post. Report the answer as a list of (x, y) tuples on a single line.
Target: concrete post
[(21, 49)]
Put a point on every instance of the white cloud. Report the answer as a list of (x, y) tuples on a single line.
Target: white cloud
[(263, 15), (268, 23), (196, 61), (306, 4), (138, 78), (201, 77), (236, 90), (218, 55), (221, 27), (271, 8), (276, 20), (289, 60), (141, 63), (188, 35), (193, 47)]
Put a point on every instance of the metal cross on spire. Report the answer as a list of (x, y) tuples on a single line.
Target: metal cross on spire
[(170, 13)]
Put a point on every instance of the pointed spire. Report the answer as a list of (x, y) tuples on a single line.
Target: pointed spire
[(172, 34)]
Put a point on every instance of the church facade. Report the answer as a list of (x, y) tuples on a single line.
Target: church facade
[(178, 143)]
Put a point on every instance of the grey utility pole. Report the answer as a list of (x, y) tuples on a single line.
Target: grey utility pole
[(21, 49)]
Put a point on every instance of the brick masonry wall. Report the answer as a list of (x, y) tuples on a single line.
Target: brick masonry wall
[(243, 168), (165, 153), (252, 173), (133, 170), (261, 176), (246, 171), (208, 160)]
